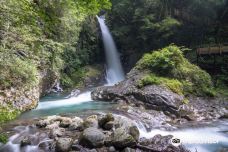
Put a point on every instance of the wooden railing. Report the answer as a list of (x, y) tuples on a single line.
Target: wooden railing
[(212, 50)]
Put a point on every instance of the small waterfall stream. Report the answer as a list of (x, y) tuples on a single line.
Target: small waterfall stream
[(115, 71)]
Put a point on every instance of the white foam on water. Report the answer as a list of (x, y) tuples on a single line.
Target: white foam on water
[(200, 139), (81, 98)]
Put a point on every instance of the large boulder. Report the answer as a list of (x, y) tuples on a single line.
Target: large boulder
[(105, 119), (76, 123), (152, 96), (121, 139), (65, 122), (92, 138), (91, 121), (63, 144)]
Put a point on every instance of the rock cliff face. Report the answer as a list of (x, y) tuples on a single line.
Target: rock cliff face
[(20, 98), (48, 80), (159, 98), (25, 98)]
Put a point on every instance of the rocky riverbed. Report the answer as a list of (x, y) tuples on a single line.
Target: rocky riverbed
[(106, 132)]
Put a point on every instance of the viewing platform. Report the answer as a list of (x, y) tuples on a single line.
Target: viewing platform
[(213, 50)]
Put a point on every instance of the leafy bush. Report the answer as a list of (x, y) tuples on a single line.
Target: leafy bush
[(7, 113), (172, 84), (35, 35), (170, 63), (3, 138), (17, 72)]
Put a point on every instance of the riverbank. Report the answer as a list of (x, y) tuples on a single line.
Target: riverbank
[(94, 133)]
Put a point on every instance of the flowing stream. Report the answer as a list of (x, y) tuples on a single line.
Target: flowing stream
[(215, 136)]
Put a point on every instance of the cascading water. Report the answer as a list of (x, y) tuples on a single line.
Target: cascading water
[(114, 72)]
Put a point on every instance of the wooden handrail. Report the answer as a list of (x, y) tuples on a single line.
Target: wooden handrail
[(219, 49)]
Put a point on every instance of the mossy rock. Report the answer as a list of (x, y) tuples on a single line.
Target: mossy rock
[(170, 68), (3, 138), (121, 139), (8, 113), (105, 119)]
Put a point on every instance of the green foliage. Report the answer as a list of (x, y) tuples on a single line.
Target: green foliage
[(172, 84), (7, 113), (170, 63), (143, 25), (37, 35), (162, 61), (17, 72), (3, 138)]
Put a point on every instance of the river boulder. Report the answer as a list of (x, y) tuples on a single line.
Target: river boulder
[(121, 139), (91, 121), (92, 138), (105, 119), (63, 144)]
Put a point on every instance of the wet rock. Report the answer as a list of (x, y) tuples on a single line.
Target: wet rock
[(74, 93), (54, 125), (152, 96), (134, 132), (63, 144), (223, 150), (109, 125), (121, 139), (25, 141), (123, 122), (105, 119), (161, 143), (92, 138), (48, 121), (76, 123), (91, 121), (65, 122), (128, 150), (42, 123), (93, 150), (111, 149), (57, 132)]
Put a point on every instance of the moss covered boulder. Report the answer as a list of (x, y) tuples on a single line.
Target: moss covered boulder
[(169, 67)]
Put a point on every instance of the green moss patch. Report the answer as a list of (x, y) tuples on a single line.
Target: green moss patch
[(3, 138), (7, 113), (172, 84), (170, 68)]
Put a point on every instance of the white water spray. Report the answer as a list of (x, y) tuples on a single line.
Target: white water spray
[(114, 72), (81, 98)]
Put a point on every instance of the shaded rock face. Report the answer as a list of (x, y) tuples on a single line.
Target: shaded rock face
[(48, 79), (159, 98)]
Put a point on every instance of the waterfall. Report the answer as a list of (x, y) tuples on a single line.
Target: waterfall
[(114, 71)]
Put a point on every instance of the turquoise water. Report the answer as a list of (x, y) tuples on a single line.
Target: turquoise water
[(213, 135), (58, 104)]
